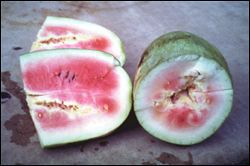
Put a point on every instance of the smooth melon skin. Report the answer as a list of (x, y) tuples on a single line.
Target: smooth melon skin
[(66, 107), (182, 89), (60, 32)]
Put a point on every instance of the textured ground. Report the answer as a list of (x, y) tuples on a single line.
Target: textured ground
[(225, 24)]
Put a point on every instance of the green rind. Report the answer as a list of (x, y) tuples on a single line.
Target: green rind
[(173, 45)]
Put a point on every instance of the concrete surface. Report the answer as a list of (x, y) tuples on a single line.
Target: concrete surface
[(225, 24)]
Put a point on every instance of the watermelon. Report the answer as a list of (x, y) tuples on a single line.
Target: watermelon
[(182, 90), (59, 32), (74, 94)]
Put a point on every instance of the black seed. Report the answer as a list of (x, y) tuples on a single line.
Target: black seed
[(67, 74), (73, 77), (59, 74)]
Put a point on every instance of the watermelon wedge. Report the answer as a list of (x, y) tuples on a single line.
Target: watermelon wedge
[(75, 94), (183, 90), (59, 32)]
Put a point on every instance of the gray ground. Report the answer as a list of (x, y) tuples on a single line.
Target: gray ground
[(225, 24)]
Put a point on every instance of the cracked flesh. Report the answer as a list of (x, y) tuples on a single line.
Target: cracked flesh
[(78, 91), (179, 105), (184, 97)]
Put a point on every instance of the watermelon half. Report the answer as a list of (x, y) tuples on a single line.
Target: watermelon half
[(183, 89), (74, 94), (59, 32)]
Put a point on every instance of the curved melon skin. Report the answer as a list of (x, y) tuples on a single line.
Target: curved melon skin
[(100, 109), (60, 32), (170, 108), (172, 45)]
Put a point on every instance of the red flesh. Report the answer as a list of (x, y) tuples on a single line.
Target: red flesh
[(84, 74), (98, 43), (55, 120), (93, 85)]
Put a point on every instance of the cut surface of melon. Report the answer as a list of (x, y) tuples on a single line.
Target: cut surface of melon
[(184, 100), (74, 94), (59, 32)]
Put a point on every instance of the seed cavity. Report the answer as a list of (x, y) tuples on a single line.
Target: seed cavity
[(184, 93), (55, 104)]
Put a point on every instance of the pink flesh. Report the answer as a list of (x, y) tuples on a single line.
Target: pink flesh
[(172, 83), (99, 43), (94, 84), (108, 105), (56, 120), (74, 74), (185, 117), (179, 117), (59, 30)]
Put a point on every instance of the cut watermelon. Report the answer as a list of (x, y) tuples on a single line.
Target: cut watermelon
[(58, 32), (182, 90), (74, 94)]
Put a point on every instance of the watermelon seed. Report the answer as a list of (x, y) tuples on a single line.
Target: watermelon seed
[(58, 74), (73, 77), (39, 103), (67, 74), (52, 40)]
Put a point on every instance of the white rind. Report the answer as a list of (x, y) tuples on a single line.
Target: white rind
[(100, 124), (216, 75), (116, 48)]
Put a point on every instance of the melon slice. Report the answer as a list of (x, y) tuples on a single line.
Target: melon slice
[(59, 32), (74, 94), (182, 90)]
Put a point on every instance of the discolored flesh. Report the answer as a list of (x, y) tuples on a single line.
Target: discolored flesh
[(184, 100)]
